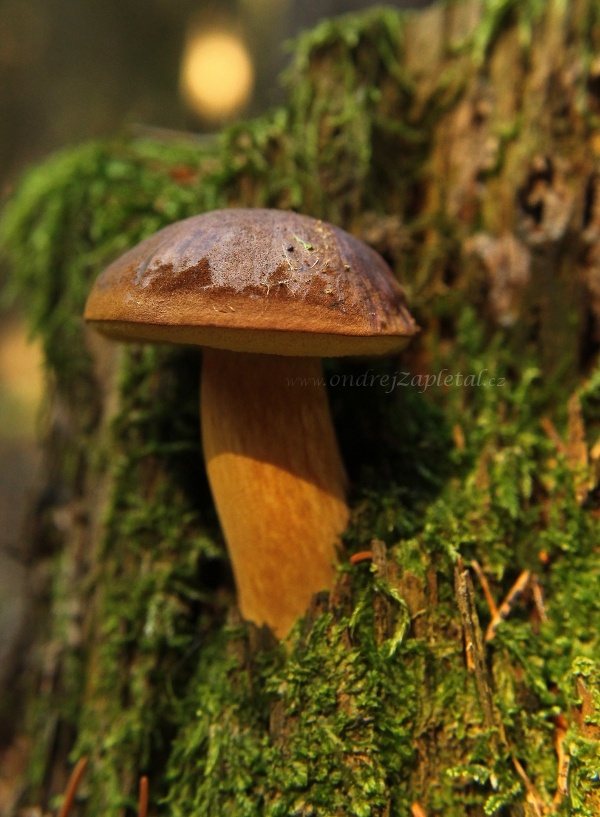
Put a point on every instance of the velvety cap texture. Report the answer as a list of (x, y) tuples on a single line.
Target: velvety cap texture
[(254, 280)]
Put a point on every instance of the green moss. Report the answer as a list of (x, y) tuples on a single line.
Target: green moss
[(584, 742), (349, 718), (497, 16), (77, 211), (153, 579)]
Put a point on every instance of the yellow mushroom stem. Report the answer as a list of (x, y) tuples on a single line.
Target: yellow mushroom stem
[(277, 479)]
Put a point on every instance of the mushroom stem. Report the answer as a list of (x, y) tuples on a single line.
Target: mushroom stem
[(277, 479)]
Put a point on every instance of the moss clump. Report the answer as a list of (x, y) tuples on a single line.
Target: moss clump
[(76, 212), (583, 742), (152, 583), (374, 693)]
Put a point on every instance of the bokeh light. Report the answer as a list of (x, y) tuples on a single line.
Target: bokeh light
[(21, 381), (217, 74)]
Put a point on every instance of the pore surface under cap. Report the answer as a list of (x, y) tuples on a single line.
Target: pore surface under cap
[(254, 280)]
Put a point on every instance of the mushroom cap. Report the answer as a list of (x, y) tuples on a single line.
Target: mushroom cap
[(254, 280)]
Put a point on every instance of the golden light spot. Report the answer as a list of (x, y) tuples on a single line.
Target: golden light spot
[(216, 74), (21, 380)]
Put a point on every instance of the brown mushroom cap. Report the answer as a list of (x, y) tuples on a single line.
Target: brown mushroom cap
[(254, 280)]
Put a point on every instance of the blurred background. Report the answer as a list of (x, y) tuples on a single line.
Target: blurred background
[(74, 70)]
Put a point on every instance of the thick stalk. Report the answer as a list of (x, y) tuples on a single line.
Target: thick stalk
[(277, 479)]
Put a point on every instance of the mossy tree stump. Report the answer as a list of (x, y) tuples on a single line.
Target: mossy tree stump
[(464, 144)]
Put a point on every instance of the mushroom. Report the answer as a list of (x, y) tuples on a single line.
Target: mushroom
[(266, 294)]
